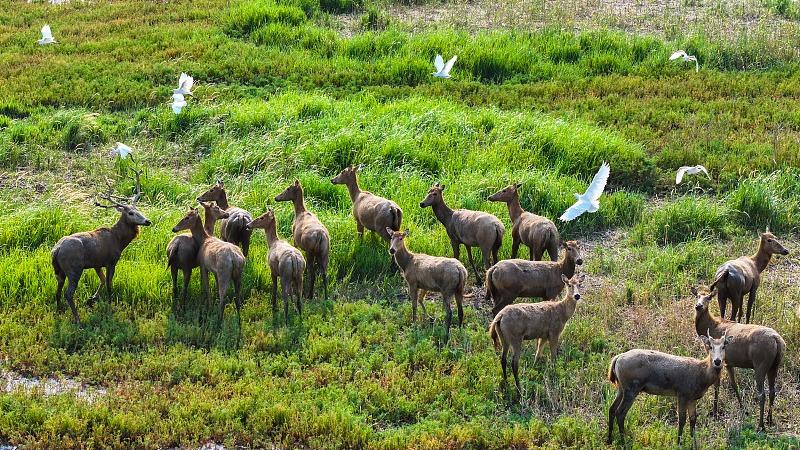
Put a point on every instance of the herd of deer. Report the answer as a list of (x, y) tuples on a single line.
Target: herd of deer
[(728, 343)]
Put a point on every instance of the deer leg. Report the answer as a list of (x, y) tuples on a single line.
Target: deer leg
[(298, 292), (517, 347), (70, 293), (682, 404), (771, 375), (751, 303), (504, 361), (187, 277), (237, 290), (612, 413), (535, 253), (360, 229), (553, 340), (412, 292), (312, 275), (622, 411), (285, 286), (691, 411), (110, 270), (472, 263), (204, 283), (222, 288), (323, 267), (539, 345), (515, 241), (716, 398), (96, 295), (735, 388), (761, 398), (174, 272), (552, 250), (460, 305), (421, 300), (456, 248), (448, 316), (739, 305), (245, 244), (722, 299), (60, 278)]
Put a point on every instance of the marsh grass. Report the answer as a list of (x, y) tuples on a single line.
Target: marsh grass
[(281, 96)]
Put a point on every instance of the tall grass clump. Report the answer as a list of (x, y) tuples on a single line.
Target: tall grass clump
[(250, 15), (685, 219), (768, 201)]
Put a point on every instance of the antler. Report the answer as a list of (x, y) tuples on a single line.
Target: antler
[(137, 179)]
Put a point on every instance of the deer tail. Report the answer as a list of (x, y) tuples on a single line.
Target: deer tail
[(490, 288), (781, 347), (722, 276), (54, 260), (397, 218), (495, 332), (612, 373)]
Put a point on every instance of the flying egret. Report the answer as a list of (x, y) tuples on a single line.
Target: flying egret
[(690, 170), (588, 201), (47, 36), (121, 150), (442, 69), (185, 83), (686, 58), (178, 102)]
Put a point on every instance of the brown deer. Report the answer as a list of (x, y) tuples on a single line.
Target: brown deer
[(660, 373), (97, 249), (544, 321), (310, 235), (285, 262), (234, 228), (512, 278), (182, 251), (471, 228), (430, 273), (538, 233), (370, 211), (223, 259), (753, 347), (741, 276)]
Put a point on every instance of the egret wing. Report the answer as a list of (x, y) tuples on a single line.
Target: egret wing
[(678, 54), (705, 171), (438, 63), (574, 211), (449, 66), (598, 184), (46, 32), (680, 174)]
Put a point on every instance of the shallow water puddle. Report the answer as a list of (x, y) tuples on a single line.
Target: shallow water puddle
[(11, 381)]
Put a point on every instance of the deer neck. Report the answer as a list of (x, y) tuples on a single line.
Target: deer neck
[(704, 321), (124, 232), (570, 304), (199, 234), (443, 213), (353, 189), (761, 258), (209, 223), (514, 208), (403, 257), (272, 234), (568, 265), (299, 205), (710, 374), (222, 201)]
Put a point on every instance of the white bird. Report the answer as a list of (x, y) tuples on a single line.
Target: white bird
[(690, 170), (47, 36), (442, 69), (185, 83), (588, 201), (686, 58), (121, 150), (178, 102)]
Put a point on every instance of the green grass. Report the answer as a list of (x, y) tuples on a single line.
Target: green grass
[(280, 95)]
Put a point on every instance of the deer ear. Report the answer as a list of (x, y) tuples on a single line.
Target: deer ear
[(119, 208), (693, 290), (406, 233), (564, 279), (517, 185), (582, 278), (390, 231), (728, 339), (360, 166), (442, 187), (706, 342), (296, 182)]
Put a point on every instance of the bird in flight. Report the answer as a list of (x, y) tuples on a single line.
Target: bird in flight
[(686, 58), (185, 83), (690, 170), (442, 69), (121, 150), (178, 102), (588, 201), (47, 36)]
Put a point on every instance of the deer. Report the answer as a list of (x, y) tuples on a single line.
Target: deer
[(97, 249), (234, 228), (538, 233), (659, 373), (753, 347), (310, 235), (741, 276), (182, 251), (370, 211), (285, 262), (471, 228), (512, 278), (223, 259), (429, 273), (544, 321)]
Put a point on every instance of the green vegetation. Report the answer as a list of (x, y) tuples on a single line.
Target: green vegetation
[(282, 95)]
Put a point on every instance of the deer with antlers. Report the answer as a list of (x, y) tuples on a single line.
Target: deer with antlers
[(97, 249)]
